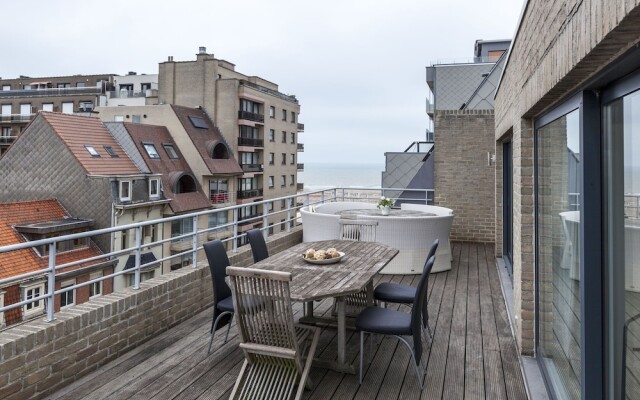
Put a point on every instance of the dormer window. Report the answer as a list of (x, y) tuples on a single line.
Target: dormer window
[(171, 151), (198, 122), (186, 184), (92, 151), (151, 150), (125, 190), (154, 187)]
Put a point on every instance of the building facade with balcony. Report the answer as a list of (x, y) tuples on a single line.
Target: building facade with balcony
[(22, 98), (92, 176), (133, 90), (566, 144), (261, 124)]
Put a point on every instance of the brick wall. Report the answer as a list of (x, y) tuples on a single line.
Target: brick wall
[(39, 357), (464, 181)]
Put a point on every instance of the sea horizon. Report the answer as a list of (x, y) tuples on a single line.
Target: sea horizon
[(321, 175)]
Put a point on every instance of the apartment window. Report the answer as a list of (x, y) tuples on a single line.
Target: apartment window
[(111, 152), (283, 180), (217, 219), (80, 84), (145, 86), (47, 107), (293, 117), (95, 288), (293, 137), (136, 119), (284, 158), (124, 239), (171, 151), (148, 274), (249, 106), (92, 151), (272, 112), (67, 107), (31, 292), (293, 179), (271, 182), (270, 206), (154, 187), (67, 298), (6, 87), (284, 115), (26, 87), (1, 305), (125, 190), (271, 230), (85, 106), (118, 118), (25, 109), (249, 158), (272, 157), (182, 227), (63, 85), (248, 184), (151, 150), (248, 212), (283, 226), (151, 232), (272, 133), (293, 158), (6, 131), (218, 190), (6, 110), (283, 204)]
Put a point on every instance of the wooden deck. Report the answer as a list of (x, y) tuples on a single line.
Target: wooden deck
[(472, 355)]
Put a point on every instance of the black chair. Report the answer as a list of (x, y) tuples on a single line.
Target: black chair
[(258, 245), (389, 292), (385, 321), (222, 300)]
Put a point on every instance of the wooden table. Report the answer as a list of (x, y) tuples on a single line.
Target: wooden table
[(310, 282)]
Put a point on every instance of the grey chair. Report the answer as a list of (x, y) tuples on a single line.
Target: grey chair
[(258, 245), (222, 300), (389, 292), (385, 321)]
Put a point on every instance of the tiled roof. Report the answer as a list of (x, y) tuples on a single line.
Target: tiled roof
[(78, 131), (158, 136), (22, 261), (203, 138)]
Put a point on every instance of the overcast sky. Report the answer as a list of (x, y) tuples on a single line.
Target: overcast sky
[(357, 67)]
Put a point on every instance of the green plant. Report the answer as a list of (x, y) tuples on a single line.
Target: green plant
[(385, 202)]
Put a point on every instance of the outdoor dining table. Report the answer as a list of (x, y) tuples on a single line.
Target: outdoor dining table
[(310, 282)]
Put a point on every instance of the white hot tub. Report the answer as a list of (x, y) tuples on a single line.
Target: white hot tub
[(411, 230)]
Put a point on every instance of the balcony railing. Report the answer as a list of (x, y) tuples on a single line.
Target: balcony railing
[(300, 146), (251, 167), (7, 94), (125, 94), (249, 219), (192, 240), (220, 198), (16, 118), (7, 139), (250, 116), (300, 186), (248, 194), (250, 142), (300, 167), (300, 127), (430, 107), (271, 92)]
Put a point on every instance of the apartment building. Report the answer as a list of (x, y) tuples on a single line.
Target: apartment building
[(33, 220), (133, 90), (260, 124), (77, 161), (21, 98)]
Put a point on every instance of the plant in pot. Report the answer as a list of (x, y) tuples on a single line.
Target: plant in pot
[(385, 204)]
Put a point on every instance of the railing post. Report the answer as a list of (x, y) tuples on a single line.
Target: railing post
[(322, 197), (426, 197), (195, 242), (138, 257), (235, 230), (335, 194), (290, 204), (51, 282), (342, 194), (308, 200), (265, 221)]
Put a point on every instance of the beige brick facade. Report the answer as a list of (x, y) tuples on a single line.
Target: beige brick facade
[(464, 180), (559, 45)]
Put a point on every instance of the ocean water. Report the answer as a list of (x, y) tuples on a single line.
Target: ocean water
[(318, 176)]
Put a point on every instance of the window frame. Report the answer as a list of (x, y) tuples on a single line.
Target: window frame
[(24, 295), (157, 193), (171, 151), (155, 156), (92, 286), (70, 293), (121, 184)]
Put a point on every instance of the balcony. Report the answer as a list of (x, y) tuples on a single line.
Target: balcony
[(429, 136), (220, 198), (151, 341), (250, 142), (249, 194), (300, 127), (300, 186), (300, 147), (16, 118), (251, 116), (249, 219), (73, 91), (128, 94), (430, 108), (270, 92), (7, 140), (251, 167), (300, 167)]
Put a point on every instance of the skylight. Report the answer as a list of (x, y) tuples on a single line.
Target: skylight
[(111, 152), (151, 150), (92, 151), (171, 152), (198, 122)]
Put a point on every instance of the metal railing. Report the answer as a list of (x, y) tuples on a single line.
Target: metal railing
[(271, 92), (7, 139), (466, 60), (248, 194), (251, 167), (300, 147), (125, 94), (300, 127), (220, 198), (5, 94), (250, 116), (250, 142), (632, 205), (195, 237), (300, 167), (16, 117)]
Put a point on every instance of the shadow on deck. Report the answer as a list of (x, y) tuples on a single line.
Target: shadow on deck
[(473, 354)]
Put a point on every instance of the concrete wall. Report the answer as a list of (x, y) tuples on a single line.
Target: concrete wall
[(558, 46), (38, 357), (463, 180)]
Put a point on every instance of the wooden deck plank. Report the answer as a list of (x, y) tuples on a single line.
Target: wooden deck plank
[(472, 355)]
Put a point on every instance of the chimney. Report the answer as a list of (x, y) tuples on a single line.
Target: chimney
[(170, 59), (202, 50)]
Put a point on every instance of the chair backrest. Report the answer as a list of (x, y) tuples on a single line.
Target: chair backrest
[(417, 311), (432, 250), (262, 306), (361, 230), (258, 245), (218, 263)]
